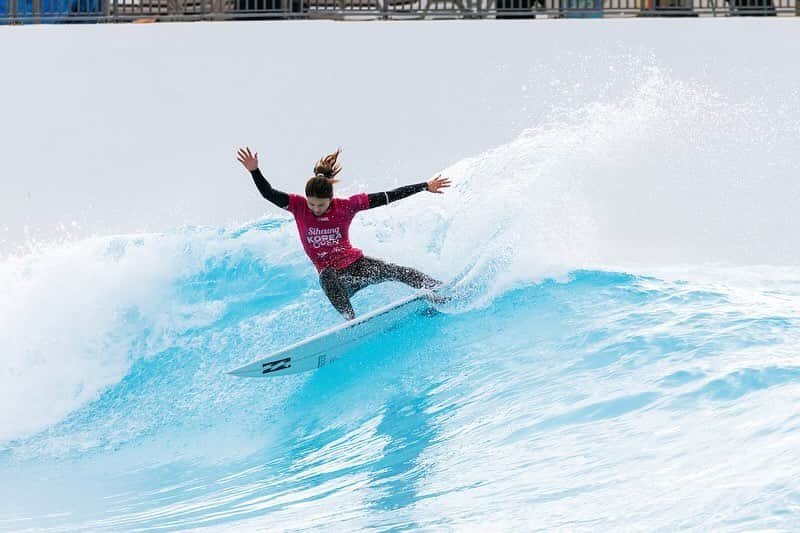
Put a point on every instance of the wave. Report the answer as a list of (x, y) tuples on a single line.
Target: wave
[(605, 327), (595, 371)]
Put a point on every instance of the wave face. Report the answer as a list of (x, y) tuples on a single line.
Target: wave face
[(564, 387), (547, 405)]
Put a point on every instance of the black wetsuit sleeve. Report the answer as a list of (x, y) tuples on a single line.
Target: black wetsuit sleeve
[(377, 199), (279, 198)]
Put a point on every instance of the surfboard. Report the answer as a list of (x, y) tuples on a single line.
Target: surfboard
[(326, 347)]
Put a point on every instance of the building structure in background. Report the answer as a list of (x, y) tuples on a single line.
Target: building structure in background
[(94, 11)]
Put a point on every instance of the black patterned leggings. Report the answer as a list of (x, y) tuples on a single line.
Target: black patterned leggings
[(340, 285)]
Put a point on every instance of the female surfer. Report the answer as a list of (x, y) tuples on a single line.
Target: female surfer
[(324, 226)]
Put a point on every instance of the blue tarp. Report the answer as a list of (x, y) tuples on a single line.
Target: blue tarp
[(51, 10)]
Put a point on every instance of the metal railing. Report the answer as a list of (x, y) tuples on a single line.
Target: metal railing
[(74, 11)]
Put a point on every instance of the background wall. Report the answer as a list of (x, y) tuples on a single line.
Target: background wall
[(678, 134)]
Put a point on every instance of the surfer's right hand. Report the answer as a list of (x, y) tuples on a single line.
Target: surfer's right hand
[(249, 160)]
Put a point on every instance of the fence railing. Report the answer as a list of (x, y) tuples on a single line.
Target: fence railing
[(74, 11)]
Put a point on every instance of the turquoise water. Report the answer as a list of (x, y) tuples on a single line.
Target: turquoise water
[(591, 399)]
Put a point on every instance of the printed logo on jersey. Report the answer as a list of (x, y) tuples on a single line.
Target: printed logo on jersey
[(318, 237)]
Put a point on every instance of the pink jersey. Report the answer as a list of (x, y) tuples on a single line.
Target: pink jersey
[(326, 239)]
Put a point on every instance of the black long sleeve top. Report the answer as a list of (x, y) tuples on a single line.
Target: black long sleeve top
[(281, 199)]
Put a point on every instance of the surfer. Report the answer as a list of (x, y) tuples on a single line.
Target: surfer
[(324, 226)]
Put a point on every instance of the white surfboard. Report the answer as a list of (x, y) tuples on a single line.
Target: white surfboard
[(324, 348)]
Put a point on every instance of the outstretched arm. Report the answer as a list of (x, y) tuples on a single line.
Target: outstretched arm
[(250, 162), (382, 198)]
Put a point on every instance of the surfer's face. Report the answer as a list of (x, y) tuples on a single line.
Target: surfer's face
[(318, 205)]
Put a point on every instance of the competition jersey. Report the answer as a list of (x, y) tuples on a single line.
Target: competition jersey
[(326, 239)]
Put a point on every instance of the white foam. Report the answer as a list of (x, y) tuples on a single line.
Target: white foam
[(74, 316), (652, 176)]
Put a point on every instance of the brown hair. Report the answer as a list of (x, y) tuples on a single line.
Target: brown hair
[(321, 185)]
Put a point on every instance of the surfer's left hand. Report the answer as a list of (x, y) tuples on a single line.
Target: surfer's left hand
[(438, 183)]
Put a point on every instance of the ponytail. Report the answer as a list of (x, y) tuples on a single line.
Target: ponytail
[(321, 185), (328, 167)]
